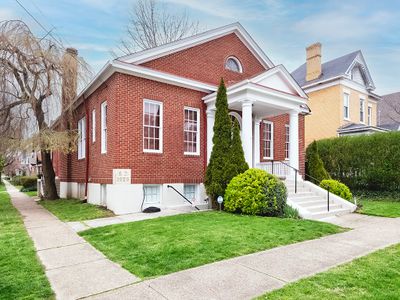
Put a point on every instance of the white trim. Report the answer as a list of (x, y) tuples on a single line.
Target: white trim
[(238, 118), (185, 43), (347, 118), (197, 110), (160, 150), (360, 61), (93, 125), (272, 140), (237, 61), (104, 108)]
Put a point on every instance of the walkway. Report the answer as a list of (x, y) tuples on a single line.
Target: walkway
[(249, 276), (75, 269)]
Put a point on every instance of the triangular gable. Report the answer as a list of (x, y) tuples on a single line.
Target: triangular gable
[(279, 78), (154, 53), (359, 62)]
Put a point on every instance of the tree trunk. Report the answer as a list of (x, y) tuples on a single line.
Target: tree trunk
[(49, 177)]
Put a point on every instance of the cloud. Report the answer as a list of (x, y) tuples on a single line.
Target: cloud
[(342, 25), (7, 14)]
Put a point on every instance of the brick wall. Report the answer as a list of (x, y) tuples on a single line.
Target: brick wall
[(206, 62)]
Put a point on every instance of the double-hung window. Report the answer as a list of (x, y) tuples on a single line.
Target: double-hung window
[(152, 126), (104, 127), (346, 106), (82, 138), (362, 110), (93, 125), (268, 140), (191, 131), (369, 115), (287, 141)]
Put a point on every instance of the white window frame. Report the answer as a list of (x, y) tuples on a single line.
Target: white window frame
[(362, 100), (104, 131), (272, 140), (346, 96), (152, 186), (197, 152), (369, 114), (82, 138), (161, 125), (93, 125), (238, 63), (195, 191), (287, 141)]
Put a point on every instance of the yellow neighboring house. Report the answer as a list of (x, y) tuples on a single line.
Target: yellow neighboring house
[(340, 93)]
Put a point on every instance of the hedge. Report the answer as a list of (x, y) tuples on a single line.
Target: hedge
[(337, 188), (365, 162)]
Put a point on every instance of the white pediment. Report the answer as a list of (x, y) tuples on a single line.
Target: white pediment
[(279, 79)]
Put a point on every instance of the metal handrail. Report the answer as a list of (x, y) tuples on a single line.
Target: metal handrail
[(170, 186), (295, 181)]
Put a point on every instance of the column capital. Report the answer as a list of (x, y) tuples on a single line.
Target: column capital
[(247, 102), (210, 112), (294, 112)]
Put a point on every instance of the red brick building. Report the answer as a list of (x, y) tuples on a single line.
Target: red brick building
[(146, 120)]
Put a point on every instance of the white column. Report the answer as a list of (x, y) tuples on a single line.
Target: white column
[(294, 139), (256, 148), (210, 132), (247, 131)]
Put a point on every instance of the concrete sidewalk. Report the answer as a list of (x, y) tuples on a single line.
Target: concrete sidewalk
[(249, 276), (74, 268)]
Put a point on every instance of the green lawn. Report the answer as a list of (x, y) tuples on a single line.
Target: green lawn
[(75, 210), (380, 204), (375, 276), (21, 274), (169, 244), (31, 193)]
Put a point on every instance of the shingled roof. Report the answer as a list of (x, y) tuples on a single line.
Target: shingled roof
[(333, 68), (387, 115)]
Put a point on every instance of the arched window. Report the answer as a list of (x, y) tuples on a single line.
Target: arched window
[(233, 64), (236, 117)]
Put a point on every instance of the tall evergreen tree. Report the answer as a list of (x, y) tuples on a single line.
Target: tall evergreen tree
[(237, 162), (315, 165), (216, 174)]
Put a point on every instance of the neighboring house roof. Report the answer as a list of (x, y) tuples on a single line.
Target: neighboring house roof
[(357, 128), (335, 68), (391, 127), (389, 110)]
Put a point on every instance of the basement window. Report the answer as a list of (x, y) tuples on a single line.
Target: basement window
[(152, 193), (189, 191)]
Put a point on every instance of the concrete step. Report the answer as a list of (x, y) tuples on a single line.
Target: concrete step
[(312, 203), (305, 199), (323, 208), (331, 213), (300, 194)]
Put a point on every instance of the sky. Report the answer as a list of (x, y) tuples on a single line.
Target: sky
[(282, 28)]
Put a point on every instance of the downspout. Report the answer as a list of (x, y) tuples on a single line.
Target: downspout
[(87, 146)]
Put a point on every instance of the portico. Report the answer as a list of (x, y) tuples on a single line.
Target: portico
[(255, 101)]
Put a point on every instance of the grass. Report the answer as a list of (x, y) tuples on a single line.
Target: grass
[(31, 193), (375, 276), (169, 244), (75, 210), (381, 205), (22, 276)]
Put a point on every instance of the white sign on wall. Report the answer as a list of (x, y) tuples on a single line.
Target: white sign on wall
[(121, 176)]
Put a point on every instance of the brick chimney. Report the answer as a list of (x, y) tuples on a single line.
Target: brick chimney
[(313, 59), (69, 83), (69, 76)]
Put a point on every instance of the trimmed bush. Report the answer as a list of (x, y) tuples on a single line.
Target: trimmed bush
[(255, 192), (315, 166), (365, 162), (28, 181), (16, 180), (337, 188)]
